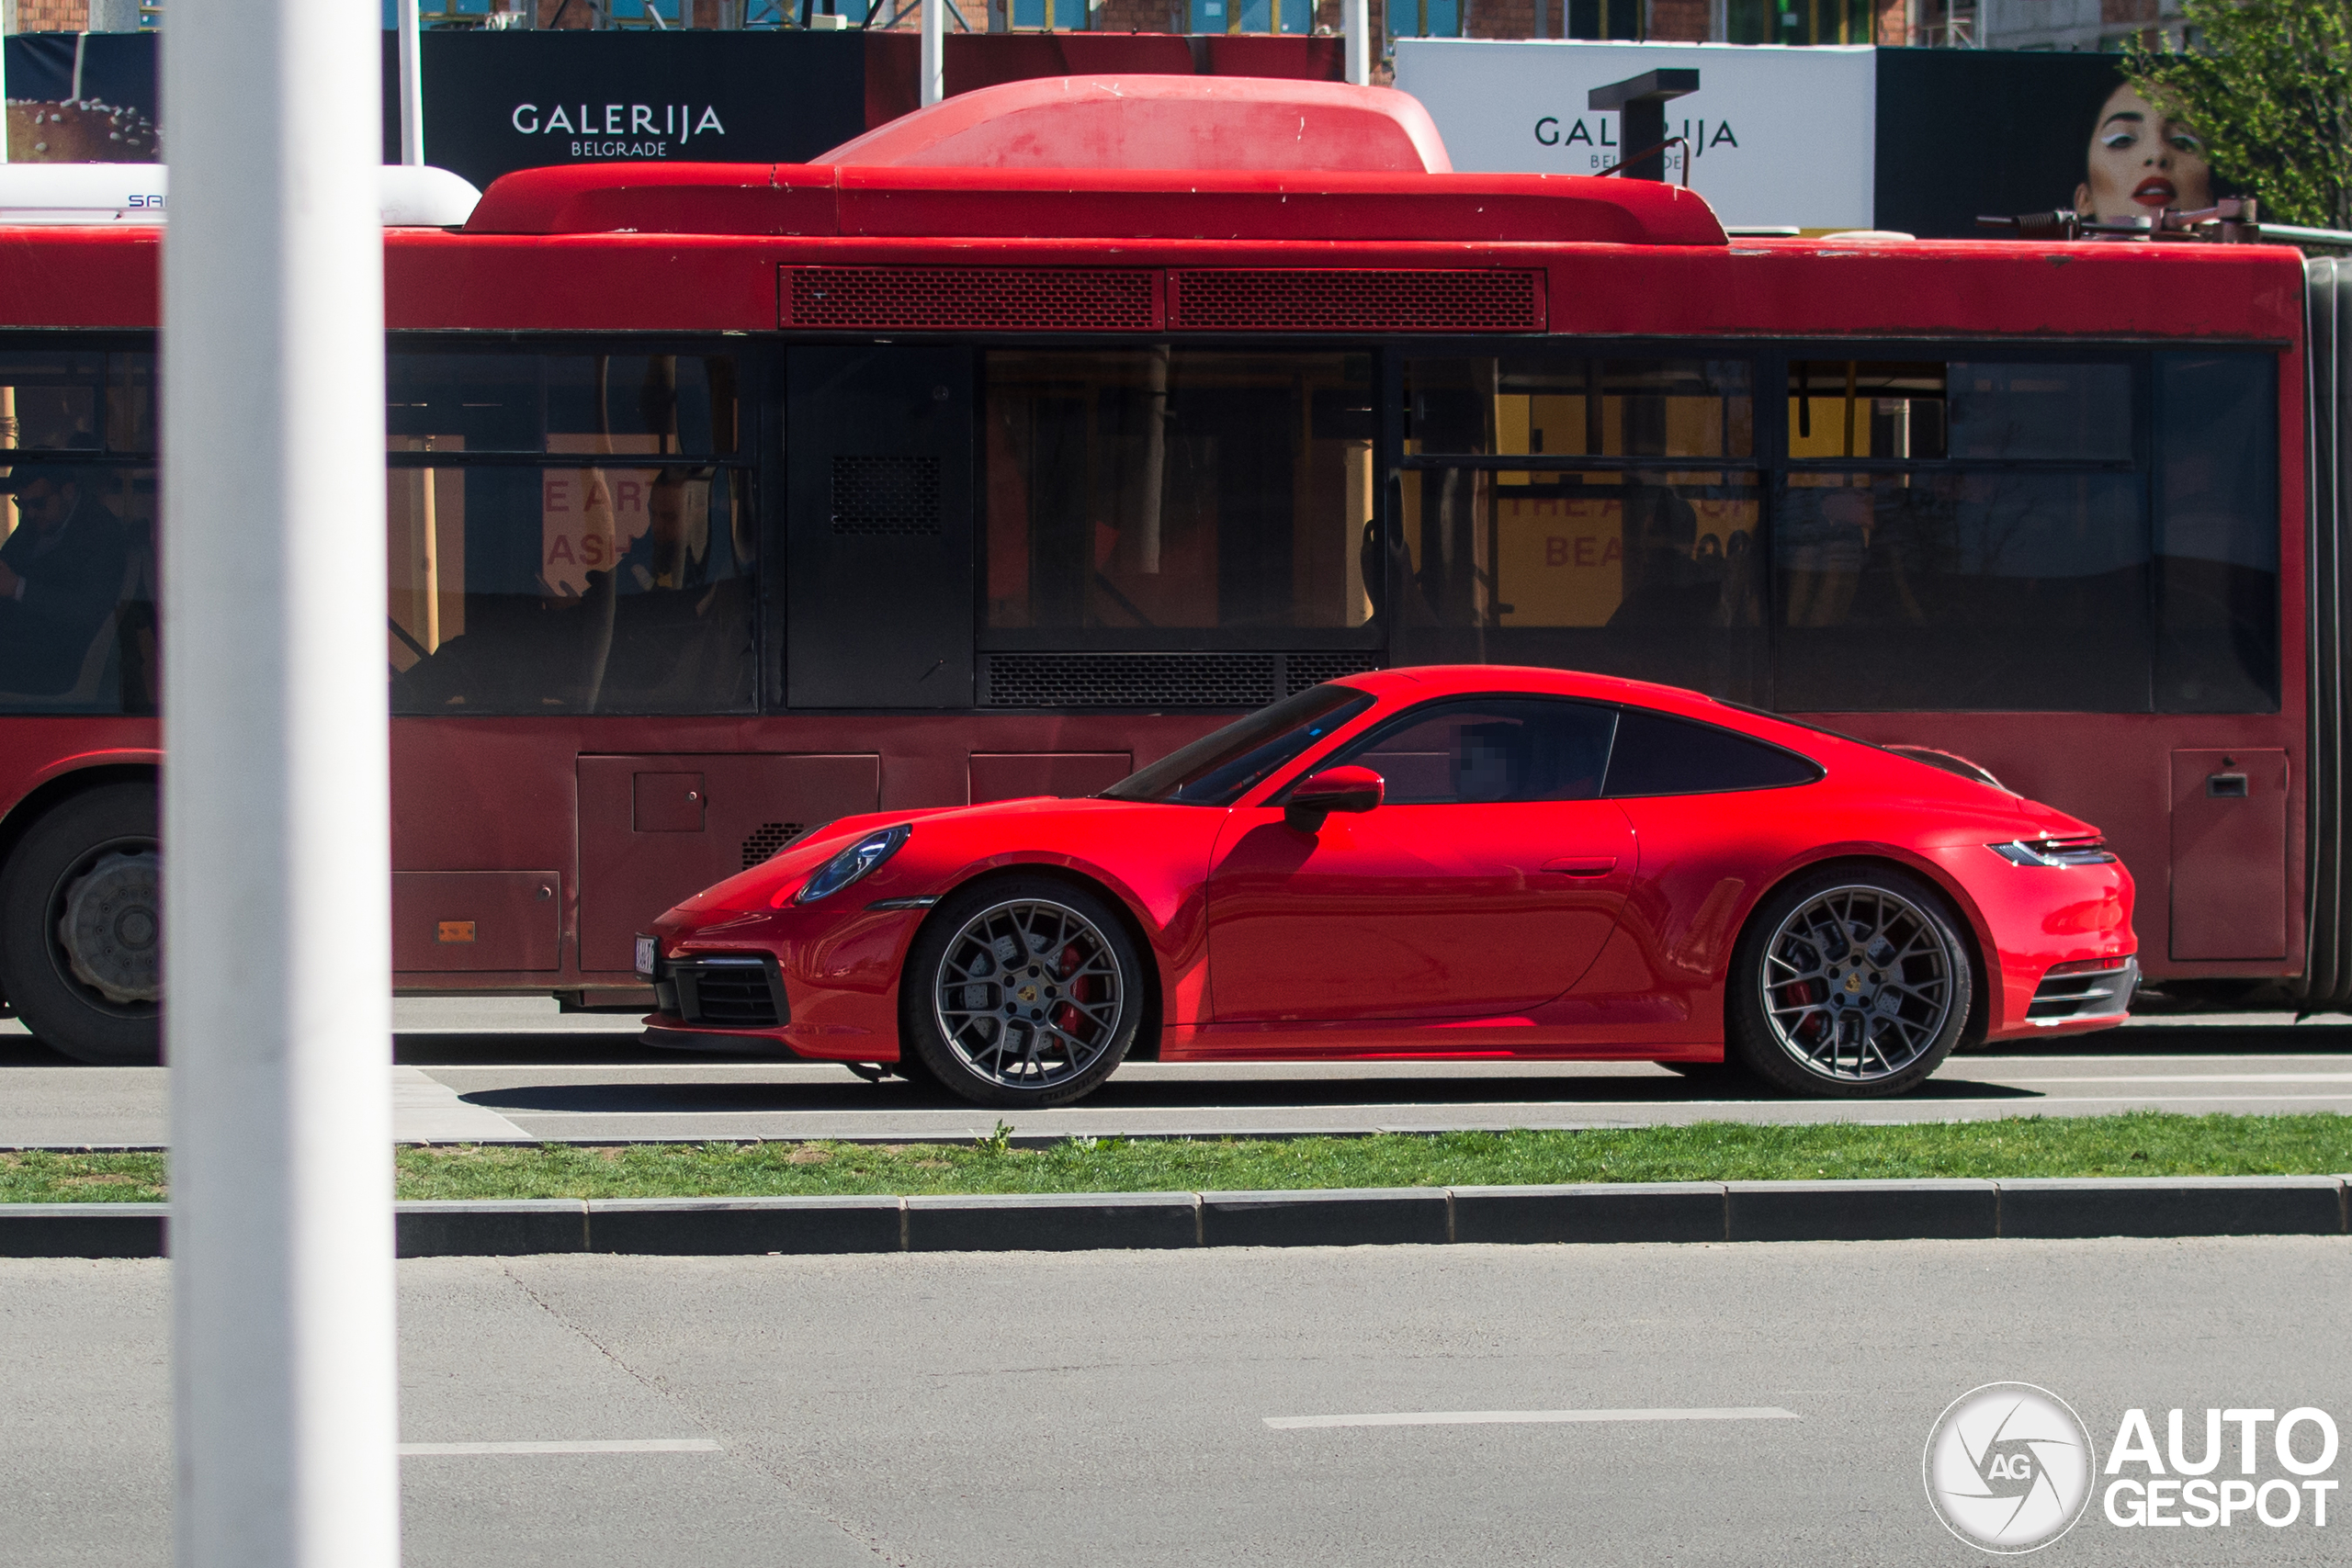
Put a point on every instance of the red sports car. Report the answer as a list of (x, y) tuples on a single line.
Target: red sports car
[(1466, 862)]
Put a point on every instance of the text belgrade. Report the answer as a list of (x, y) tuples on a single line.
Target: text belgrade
[(669, 122), (2173, 1490)]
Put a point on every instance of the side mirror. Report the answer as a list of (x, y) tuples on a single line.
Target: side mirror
[(1316, 797)]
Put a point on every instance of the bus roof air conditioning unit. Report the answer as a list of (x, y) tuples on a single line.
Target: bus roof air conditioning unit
[(1161, 122), (411, 196)]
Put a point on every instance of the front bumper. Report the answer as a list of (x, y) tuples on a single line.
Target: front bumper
[(2084, 995)]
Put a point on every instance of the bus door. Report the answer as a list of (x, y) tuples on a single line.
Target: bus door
[(878, 527)]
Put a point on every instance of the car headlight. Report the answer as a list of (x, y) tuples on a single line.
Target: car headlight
[(2054, 852), (855, 862)]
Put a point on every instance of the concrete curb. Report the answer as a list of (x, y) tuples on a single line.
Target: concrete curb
[(1606, 1213)]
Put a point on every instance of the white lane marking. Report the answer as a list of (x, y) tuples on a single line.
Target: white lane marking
[(1529, 1417), (586, 1446), (2193, 1077)]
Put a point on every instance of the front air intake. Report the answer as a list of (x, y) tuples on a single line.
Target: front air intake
[(1317, 301), (972, 298)]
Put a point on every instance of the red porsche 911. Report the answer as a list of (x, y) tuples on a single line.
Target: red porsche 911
[(1468, 862)]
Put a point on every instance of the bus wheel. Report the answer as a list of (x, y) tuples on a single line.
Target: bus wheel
[(1850, 982), (1021, 992), (82, 927)]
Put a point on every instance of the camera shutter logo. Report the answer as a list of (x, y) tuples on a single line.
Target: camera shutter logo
[(2009, 1467)]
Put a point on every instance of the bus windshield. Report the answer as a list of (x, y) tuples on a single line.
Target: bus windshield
[(1218, 769)]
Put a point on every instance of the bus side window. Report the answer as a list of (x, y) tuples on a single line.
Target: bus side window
[(2217, 533), (616, 574)]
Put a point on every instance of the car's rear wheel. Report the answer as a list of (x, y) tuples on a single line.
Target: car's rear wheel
[(82, 926), (1850, 982), (1021, 992)]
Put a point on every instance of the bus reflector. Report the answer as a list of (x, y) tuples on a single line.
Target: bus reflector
[(455, 930), (972, 298)]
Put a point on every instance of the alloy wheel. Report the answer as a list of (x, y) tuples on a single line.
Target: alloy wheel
[(1029, 994), (1858, 984)]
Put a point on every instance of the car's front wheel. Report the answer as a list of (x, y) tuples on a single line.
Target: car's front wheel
[(1850, 982), (1021, 992)]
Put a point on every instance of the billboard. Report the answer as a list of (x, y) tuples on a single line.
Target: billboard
[(1777, 134), (1921, 141)]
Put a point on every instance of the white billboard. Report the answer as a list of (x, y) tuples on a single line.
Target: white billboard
[(1778, 135)]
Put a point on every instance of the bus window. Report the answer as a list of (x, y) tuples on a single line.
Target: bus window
[(2217, 533), (48, 401), (77, 589), (1966, 409), (1947, 588), (1654, 573), (570, 589), (599, 404), (1148, 489), (1946, 575), (1578, 408)]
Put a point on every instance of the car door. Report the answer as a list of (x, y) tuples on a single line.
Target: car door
[(1486, 880)]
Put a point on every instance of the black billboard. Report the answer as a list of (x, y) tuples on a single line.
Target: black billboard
[(496, 102)]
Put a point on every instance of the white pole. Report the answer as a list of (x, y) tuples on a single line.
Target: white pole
[(275, 801), (1355, 21), (411, 85), (933, 85)]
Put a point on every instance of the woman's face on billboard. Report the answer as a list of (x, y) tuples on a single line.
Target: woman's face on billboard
[(2140, 163)]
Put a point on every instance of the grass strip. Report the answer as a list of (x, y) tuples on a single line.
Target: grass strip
[(2150, 1144)]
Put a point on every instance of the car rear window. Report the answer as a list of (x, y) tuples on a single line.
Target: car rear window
[(1658, 755)]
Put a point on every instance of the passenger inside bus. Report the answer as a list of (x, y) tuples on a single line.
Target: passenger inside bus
[(64, 571)]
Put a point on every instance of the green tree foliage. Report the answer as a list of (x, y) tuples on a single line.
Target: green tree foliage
[(2269, 85)]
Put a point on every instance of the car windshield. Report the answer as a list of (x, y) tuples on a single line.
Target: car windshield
[(1216, 770)]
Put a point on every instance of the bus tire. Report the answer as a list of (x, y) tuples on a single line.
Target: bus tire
[(1850, 982), (81, 927)]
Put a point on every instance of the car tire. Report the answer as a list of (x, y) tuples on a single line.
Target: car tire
[(81, 927), (1850, 982), (1020, 992)]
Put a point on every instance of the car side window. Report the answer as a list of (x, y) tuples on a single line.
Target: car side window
[(1490, 749), (1658, 755)]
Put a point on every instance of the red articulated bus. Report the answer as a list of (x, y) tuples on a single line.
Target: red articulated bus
[(1033, 436)]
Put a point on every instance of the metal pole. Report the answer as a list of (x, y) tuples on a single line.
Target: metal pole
[(276, 797), (933, 85), (411, 85), (1355, 21)]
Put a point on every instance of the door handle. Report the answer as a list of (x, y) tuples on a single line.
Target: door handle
[(2226, 786), (1582, 865)]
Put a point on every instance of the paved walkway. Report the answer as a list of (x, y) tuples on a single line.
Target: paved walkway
[(517, 1071)]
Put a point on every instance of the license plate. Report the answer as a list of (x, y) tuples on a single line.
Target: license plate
[(645, 956)]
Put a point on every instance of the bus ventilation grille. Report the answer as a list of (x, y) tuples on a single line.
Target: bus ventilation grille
[(886, 495), (768, 838), (1155, 680), (1358, 301), (1304, 670), (951, 299)]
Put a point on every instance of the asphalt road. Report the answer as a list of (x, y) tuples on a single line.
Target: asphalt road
[(1035, 1410), (517, 1071)]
